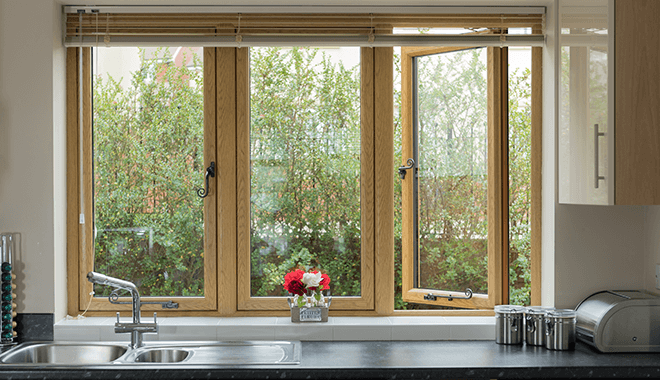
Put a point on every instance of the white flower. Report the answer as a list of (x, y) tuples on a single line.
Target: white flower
[(312, 280)]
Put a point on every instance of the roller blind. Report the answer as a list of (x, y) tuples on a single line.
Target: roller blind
[(87, 26)]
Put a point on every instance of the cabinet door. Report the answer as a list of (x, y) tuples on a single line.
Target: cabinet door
[(586, 133), (637, 102)]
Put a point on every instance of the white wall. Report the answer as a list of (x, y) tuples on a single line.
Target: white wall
[(585, 248), (59, 165), (598, 248), (32, 147)]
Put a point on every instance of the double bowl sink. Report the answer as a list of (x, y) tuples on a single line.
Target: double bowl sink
[(163, 353)]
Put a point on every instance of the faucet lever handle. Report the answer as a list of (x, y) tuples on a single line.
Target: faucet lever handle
[(117, 317), (155, 317)]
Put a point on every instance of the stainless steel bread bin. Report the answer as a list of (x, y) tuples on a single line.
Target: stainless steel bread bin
[(620, 321)]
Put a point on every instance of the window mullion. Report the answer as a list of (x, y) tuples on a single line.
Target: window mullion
[(497, 216)]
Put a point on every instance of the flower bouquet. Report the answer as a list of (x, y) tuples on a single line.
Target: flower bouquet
[(306, 300)]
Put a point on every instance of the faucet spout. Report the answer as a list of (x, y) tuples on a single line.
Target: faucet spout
[(101, 279), (136, 328)]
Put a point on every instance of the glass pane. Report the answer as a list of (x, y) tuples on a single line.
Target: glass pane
[(305, 166), (148, 134), (453, 167), (520, 177)]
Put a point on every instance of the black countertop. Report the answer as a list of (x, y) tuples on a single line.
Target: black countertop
[(391, 360)]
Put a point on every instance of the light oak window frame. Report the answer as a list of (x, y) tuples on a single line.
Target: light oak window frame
[(227, 98), (81, 261), (497, 196), (372, 60), (498, 186)]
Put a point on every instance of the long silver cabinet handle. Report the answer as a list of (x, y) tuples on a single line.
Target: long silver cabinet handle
[(597, 176)]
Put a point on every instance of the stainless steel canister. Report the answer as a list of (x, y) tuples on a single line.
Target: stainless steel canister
[(560, 329), (509, 324), (534, 331)]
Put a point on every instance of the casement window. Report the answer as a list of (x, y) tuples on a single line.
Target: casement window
[(466, 168), (294, 145), (143, 140)]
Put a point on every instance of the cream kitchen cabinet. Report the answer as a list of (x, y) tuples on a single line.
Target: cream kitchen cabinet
[(609, 102)]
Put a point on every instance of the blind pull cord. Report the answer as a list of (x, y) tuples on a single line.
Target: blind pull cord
[(239, 38)]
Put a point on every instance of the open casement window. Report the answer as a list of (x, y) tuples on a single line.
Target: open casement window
[(136, 161), (455, 195)]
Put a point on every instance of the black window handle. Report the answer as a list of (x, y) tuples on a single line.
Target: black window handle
[(402, 169), (210, 172)]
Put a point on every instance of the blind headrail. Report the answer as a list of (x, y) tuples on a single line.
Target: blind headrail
[(318, 40), (143, 28), (309, 9)]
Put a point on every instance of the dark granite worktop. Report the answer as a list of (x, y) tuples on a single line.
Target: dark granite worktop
[(392, 360)]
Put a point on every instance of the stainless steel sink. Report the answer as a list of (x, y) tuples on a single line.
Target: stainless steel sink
[(161, 355), (243, 353), (64, 353), (187, 353)]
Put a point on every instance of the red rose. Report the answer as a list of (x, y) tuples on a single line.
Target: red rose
[(325, 282), (293, 282)]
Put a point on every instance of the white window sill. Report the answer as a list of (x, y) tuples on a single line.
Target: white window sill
[(281, 328)]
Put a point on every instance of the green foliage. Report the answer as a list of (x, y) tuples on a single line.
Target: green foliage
[(305, 180), (305, 183), (520, 194), (148, 140), (453, 178)]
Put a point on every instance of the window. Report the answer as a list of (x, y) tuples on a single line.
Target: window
[(305, 183), (147, 147), (303, 144), (447, 194), (467, 199), (305, 169)]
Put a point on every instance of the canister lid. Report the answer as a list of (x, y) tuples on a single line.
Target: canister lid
[(509, 309), (561, 313), (538, 310)]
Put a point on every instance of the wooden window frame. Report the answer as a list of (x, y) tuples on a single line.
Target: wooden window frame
[(80, 245), (365, 301), (498, 189), (496, 166), (226, 106)]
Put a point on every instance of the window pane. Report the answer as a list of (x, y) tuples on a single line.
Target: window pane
[(148, 160), (520, 174), (305, 166), (453, 166)]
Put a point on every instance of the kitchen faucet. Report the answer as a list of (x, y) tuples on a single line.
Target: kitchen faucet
[(136, 328)]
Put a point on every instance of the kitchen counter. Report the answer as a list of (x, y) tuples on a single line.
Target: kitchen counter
[(391, 360)]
